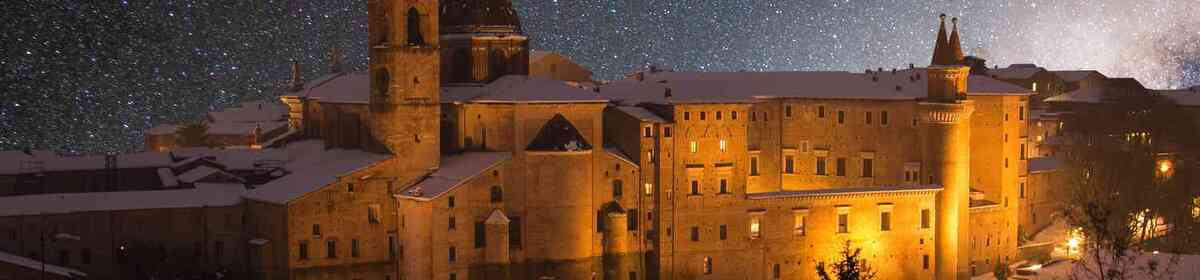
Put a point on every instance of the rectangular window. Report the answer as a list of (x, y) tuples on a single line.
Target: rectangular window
[(452, 254), (867, 166), (695, 231), (648, 132), (354, 248), (755, 227), (718, 115), (453, 276), (1022, 190), (787, 111), (708, 265), (331, 249), (303, 250), (885, 221), (723, 146), (775, 271), (497, 194), (695, 147), (789, 164), (841, 117), (841, 166), (733, 115), (695, 187), (350, 187), (883, 118), (450, 202), (480, 235), (925, 262), (798, 224), (703, 115), (514, 232), (1023, 155), (821, 166), (753, 166), (753, 116), (632, 222), (649, 188), (452, 224), (316, 229), (843, 223), (1021, 113), (869, 117), (723, 232), (617, 188), (765, 118), (392, 246), (724, 187), (687, 116), (667, 132), (373, 214), (925, 218), (821, 111)]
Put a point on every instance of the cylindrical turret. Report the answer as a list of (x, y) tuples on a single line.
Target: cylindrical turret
[(946, 134)]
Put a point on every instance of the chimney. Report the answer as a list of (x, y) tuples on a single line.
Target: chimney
[(297, 85)]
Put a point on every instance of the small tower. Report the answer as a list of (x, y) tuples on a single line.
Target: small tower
[(946, 136), (405, 70)]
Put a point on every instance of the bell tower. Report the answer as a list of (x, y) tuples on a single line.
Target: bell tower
[(405, 74), (945, 115)]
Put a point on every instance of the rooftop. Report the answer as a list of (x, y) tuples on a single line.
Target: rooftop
[(36, 265), (15, 162), (202, 195), (455, 170), (341, 87), (251, 112), (527, 89), (312, 167), (1076, 75), (1015, 71)]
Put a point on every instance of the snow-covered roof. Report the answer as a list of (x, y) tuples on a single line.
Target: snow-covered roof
[(1044, 164), (202, 195), (36, 265), (244, 128), (1076, 75), (254, 111), (641, 114), (454, 171), (14, 162), (742, 87), (167, 177), (1015, 71), (1092, 94), (162, 129), (203, 172), (341, 87), (844, 191), (460, 93), (529, 89), (312, 167), (1184, 97), (237, 159)]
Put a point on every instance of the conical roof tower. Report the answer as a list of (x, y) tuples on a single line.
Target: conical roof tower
[(942, 54), (955, 45)]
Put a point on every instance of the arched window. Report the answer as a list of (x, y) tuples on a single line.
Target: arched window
[(385, 30), (383, 80), (414, 28), (616, 188)]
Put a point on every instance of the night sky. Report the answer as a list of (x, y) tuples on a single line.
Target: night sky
[(89, 76)]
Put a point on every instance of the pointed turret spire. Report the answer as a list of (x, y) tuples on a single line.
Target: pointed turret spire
[(955, 45), (941, 50)]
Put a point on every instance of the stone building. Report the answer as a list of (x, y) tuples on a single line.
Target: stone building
[(250, 125)]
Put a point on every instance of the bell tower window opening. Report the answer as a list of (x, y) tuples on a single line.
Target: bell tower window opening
[(415, 38)]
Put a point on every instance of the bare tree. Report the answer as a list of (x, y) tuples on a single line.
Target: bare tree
[(848, 266), (1122, 190)]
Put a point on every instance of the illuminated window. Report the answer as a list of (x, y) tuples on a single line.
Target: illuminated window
[(695, 146), (798, 221), (755, 230), (708, 265), (649, 189), (723, 146), (1035, 86)]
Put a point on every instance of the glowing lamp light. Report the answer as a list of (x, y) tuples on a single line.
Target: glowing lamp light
[(1073, 242), (1164, 166), (1156, 252), (1035, 266)]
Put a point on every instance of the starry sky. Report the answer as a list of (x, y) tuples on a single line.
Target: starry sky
[(90, 76)]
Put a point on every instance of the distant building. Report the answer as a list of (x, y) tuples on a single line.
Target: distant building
[(555, 66), (250, 125), (1034, 78)]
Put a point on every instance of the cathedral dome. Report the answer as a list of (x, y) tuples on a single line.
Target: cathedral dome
[(479, 16)]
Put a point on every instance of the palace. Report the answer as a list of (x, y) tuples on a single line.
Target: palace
[(463, 154)]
